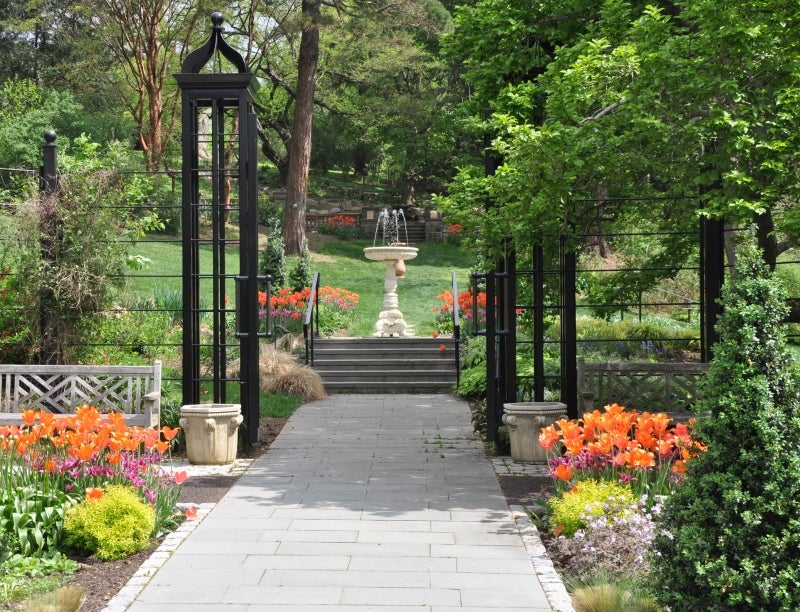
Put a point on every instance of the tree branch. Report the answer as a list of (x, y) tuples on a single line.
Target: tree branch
[(603, 112)]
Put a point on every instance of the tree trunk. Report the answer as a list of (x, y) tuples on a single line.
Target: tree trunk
[(294, 217)]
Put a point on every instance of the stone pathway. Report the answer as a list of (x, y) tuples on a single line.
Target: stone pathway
[(363, 502)]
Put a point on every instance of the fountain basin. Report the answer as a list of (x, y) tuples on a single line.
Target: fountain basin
[(390, 253)]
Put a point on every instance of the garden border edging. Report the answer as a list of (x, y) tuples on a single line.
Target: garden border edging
[(551, 582)]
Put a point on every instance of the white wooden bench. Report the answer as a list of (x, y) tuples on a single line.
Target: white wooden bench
[(645, 386), (134, 391)]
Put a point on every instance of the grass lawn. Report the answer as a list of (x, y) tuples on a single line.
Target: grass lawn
[(340, 264)]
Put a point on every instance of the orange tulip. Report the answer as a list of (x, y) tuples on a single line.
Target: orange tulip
[(640, 458), (180, 477), (94, 493), (162, 446), (570, 429), (84, 452), (548, 437), (191, 512), (150, 438), (28, 417), (169, 433), (563, 472)]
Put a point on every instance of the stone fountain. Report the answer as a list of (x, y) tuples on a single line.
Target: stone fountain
[(393, 253)]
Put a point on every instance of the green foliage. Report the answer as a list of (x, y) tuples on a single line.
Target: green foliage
[(31, 516), (472, 381), (23, 576), (270, 213), (119, 336), (730, 531), (16, 337), (26, 112), (580, 118), (300, 276), (570, 509), (115, 526), (271, 260), (68, 254), (653, 338)]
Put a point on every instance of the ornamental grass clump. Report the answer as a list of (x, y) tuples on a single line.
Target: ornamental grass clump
[(643, 450), (729, 534), (50, 462)]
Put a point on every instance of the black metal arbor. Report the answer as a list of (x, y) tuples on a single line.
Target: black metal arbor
[(219, 186), (501, 286)]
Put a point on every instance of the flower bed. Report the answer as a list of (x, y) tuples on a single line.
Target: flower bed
[(52, 464), (610, 471)]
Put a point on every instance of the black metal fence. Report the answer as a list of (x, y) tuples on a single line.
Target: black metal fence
[(553, 306)]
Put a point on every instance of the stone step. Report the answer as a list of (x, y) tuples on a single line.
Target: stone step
[(386, 365), (388, 387)]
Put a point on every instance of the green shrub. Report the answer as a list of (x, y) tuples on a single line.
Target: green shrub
[(568, 510), (472, 381), (270, 213), (128, 336), (300, 276), (652, 338), (271, 260), (115, 526), (730, 535)]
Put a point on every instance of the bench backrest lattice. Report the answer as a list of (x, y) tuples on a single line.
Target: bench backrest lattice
[(652, 387), (60, 389)]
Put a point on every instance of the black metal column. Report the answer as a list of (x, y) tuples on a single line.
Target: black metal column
[(219, 160), (569, 356), (712, 277), (537, 280)]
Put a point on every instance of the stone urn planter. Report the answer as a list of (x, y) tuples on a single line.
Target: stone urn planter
[(211, 432), (525, 421)]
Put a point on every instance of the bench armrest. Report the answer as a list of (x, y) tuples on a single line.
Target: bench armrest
[(152, 409)]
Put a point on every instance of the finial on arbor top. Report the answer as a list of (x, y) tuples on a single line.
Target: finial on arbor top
[(198, 58)]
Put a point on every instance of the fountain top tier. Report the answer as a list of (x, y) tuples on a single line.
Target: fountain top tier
[(392, 228)]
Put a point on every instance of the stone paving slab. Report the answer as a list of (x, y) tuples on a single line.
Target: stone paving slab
[(363, 502)]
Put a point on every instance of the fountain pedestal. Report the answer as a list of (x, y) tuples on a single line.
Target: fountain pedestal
[(390, 320)]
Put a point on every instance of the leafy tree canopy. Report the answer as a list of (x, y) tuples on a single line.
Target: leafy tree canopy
[(667, 100)]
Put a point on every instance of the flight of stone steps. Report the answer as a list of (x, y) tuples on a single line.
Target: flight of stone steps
[(386, 365)]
